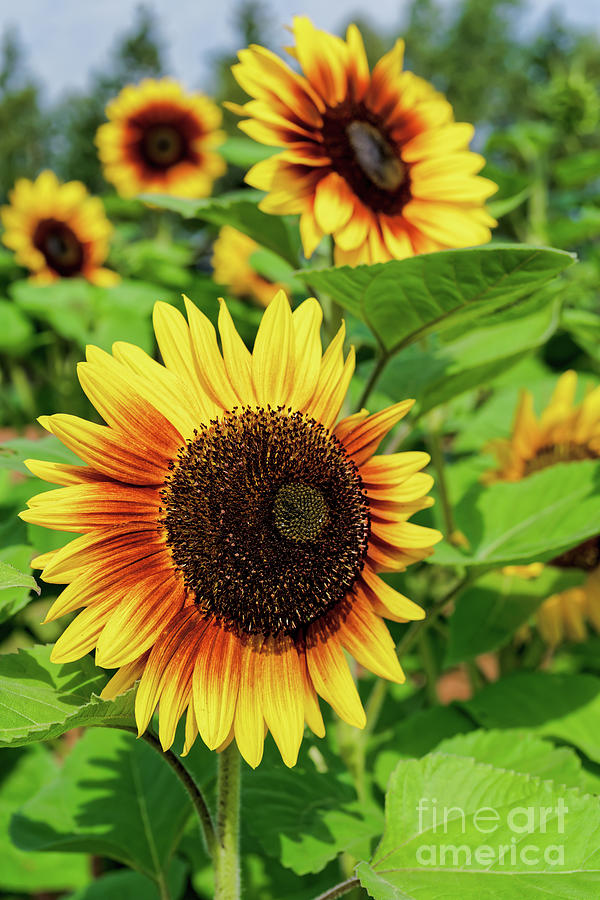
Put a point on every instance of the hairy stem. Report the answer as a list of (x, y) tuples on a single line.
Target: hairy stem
[(226, 859), (344, 887)]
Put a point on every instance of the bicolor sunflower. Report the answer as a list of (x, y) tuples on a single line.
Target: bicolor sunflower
[(231, 532), (232, 265), (565, 432), (373, 158), (57, 230), (161, 139)]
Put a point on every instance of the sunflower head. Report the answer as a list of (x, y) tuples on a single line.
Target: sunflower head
[(161, 139), (57, 230), (373, 158), (232, 264), (565, 432), (231, 532)]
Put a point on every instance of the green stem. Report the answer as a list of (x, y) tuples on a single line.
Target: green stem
[(163, 888), (437, 458), (373, 379), (226, 860), (429, 666), (339, 890)]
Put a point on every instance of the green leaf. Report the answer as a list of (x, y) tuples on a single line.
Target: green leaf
[(41, 700), (584, 325), (16, 331), (10, 577), (566, 707), (584, 226), (13, 453), (114, 797), (519, 750), (488, 614), (306, 816), (15, 586), (405, 300), (417, 735), (577, 169), (531, 520), (479, 810), (447, 368), (85, 313), (22, 774), (240, 210), (127, 885), (244, 152)]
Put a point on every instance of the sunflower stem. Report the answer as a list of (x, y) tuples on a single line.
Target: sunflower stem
[(437, 457), (339, 889), (373, 379), (226, 859)]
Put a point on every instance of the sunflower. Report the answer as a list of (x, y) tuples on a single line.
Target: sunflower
[(57, 230), (232, 265), (231, 533), (373, 158), (565, 432), (161, 139)]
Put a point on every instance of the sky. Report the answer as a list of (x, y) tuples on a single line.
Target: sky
[(67, 39)]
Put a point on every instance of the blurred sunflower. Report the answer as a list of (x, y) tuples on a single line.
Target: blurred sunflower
[(565, 432), (231, 532), (57, 230), (232, 265), (161, 139), (373, 158)]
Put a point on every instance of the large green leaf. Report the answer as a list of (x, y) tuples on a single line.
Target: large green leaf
[(306, 816), (22, 774), (519, 750), (534, 519), (417, 735), (41, 700), (115, 796), (240, 210), (488, 614), (405, 300), (14, 452), (459, 362), (479, 810), (85, 313), (566, 707), (15, 585), (125, 884)]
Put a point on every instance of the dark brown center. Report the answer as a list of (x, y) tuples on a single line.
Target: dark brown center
[(60, 246), (364, 154), (267, 521), (163, 146)]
